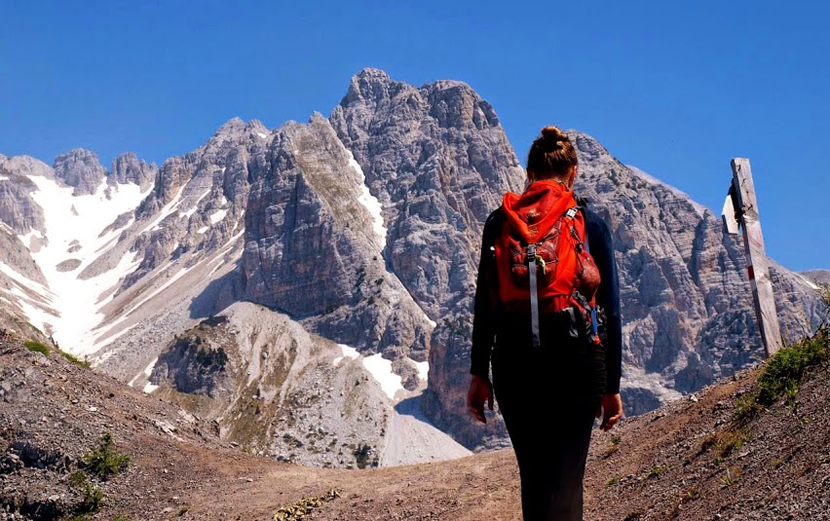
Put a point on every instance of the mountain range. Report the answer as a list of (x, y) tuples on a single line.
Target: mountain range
[(308, 289)]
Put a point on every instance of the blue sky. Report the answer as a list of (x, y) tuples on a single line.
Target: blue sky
[(677, 90)]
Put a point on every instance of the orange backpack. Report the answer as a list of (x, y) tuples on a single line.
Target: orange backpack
[(542, 256)]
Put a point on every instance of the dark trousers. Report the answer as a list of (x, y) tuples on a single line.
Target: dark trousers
[(548, 398)]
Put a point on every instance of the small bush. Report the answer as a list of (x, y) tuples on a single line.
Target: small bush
[(612, 481), (37, 347), (75, 360), (105, 461), (92, 497), (731, 442), (78, 478)]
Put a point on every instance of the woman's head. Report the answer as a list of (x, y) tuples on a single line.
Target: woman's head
[(552, 156)]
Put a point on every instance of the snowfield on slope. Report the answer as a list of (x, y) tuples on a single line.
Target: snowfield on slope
[(76, 223)]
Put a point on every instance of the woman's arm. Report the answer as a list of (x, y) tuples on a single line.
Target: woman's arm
[(484, 317), (484, 305), (608, 296)]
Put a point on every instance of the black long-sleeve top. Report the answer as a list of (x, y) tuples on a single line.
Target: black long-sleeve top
[(485, 318)]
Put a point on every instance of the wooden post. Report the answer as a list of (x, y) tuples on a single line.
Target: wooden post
[(742, 206)]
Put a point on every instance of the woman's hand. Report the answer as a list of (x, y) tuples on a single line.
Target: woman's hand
[(481, 390), (612, 405)]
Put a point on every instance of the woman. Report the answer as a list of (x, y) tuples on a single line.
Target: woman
[(550, 382)]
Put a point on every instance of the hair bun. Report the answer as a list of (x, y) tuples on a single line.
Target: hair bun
[(554, 133)]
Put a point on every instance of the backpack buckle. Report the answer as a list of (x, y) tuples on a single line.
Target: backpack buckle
[(535, 258)]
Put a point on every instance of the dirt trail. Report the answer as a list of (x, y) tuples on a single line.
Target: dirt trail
[(659, 468)]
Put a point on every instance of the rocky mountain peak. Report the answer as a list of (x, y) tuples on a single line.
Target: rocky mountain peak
[(234, 124), (588, 147), (236, 130), (80, 169), (127, 168), (371, 85)]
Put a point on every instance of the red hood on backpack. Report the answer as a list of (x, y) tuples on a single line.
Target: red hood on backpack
[(533, 212)]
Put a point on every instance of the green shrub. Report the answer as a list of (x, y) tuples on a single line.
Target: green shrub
[(105, 461), (75, 360), (37, 347), (78, 478), (783, 374), (92, 497), (731, 442)]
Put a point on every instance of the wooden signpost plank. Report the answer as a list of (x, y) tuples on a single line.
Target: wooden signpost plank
[(741, 206)]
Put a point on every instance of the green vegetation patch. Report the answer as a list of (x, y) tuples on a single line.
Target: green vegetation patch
[(105, 461), (783, 375), (37, 347), (75, 360), (92, 497)]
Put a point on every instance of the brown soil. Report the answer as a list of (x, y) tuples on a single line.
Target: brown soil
[(665, 464)]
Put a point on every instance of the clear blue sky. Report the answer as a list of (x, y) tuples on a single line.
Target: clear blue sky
[(676, 90)]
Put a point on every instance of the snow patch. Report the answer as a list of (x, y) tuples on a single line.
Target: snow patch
[(3, 178), (805, 280), (262, 135), (166, 210), (381, 370), (348, 352), (422, 368), (217, 216), (146, 372), (370, 202), (203, 229), (195, 206), (426, 317), (33, 286)]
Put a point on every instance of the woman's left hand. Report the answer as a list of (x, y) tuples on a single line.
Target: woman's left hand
[(612, 406)]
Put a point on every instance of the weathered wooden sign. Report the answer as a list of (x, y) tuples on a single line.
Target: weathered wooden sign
[(741, 208)]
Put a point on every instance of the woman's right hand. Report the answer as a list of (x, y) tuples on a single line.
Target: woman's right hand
[(481, 390)]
